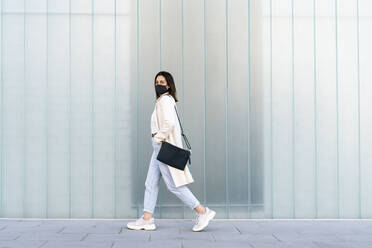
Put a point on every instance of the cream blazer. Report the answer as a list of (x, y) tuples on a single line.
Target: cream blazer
[(165, 123)]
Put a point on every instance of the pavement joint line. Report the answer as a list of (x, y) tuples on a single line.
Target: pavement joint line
[(60, 231), (276, 237), (84, 237), (316, 243), (240, 232), (45, 241), (251, 245), (213, 237), (149, 237)]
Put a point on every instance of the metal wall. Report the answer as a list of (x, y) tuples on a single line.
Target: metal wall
[(274, 96)]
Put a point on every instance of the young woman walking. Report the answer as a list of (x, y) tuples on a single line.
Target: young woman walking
[(165, 127)]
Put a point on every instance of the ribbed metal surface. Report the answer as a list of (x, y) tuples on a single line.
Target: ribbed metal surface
[(274, 95)]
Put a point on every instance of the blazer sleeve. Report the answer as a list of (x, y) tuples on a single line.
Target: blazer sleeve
[(166, 111)]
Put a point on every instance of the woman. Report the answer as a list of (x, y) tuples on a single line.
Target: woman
[(165, 126)]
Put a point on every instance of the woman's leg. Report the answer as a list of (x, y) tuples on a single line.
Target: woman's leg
[(182, 192), (152, 188), (200, 209)]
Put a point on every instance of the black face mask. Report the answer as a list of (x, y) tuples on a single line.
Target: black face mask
[(160, 89)]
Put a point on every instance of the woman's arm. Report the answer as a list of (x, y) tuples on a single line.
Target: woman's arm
[(166, 110)]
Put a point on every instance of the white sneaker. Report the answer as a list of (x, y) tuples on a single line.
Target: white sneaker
[(202, 220), (142, 224)]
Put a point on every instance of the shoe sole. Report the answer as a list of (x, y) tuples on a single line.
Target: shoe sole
[(207, 222), (146, 227)]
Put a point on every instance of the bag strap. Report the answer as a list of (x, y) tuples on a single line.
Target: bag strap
[(183, 135)]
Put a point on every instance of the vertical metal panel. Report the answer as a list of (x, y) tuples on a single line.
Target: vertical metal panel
[(1, 112), (292, 42), (216, 101), (281, 109), (35, 134), (249, 177), (348, 109), (58, 109), (193, 94), (227, 110), (70, 115), (365, 23), (328, 132), (238, 107), (304, 113), (315, 113), (358, 99), (271, 114), (24, 114), (46, 113), (115, 194), (92, 114), (337, 113), (104, 108), (81, 108)]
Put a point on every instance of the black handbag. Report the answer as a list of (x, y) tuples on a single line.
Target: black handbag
[(173, 155)]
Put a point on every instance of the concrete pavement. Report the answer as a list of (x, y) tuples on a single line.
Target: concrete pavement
[(96, 233)]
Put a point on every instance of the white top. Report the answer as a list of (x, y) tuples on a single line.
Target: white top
[(154, 123), (165, 102)]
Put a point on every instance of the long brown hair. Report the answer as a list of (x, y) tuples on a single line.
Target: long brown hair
[(168, 77)]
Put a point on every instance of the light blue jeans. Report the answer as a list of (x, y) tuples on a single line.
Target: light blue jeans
[(156, 170)]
